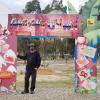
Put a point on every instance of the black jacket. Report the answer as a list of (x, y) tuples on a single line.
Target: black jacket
[(33, 60)]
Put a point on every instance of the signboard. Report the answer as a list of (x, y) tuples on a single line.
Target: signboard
[(44, 24)]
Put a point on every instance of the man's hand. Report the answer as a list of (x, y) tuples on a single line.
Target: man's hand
[(36, 69), (17, 53)]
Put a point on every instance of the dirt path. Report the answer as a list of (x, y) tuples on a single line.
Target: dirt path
[(50, 94)]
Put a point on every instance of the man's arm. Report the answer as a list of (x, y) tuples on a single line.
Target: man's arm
[(22, 57), (38, 60)]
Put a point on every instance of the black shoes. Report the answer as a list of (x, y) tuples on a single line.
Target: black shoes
[(31, 92), (25, 92)]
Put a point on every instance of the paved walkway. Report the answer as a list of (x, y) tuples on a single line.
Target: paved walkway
[(50, 94)]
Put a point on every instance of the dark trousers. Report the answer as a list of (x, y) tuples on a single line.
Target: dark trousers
[(33, 80)]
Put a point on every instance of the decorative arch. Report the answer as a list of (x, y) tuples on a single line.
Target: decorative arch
[(53, 26)]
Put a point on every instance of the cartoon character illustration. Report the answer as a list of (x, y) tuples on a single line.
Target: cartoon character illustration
[(51, 24), (81, 41), (82, 61), (88, 84), (89, 51), (3, 46), (12, 69), (2, 42), (6, 31), (83, 75), (3, 89), (6, 74), (2, 62), (12, 86), (10, 56)]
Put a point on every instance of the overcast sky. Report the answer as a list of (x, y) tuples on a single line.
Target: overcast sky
[(16, 6)]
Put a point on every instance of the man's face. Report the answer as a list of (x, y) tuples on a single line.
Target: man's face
[(31, 49)]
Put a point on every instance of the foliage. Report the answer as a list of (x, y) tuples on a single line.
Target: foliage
[(48, 47), (32, 7), (23, 44), (71, 46), (55, 5), (87, 12), (46, 10)]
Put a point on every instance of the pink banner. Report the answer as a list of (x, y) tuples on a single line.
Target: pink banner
[(44, 25)]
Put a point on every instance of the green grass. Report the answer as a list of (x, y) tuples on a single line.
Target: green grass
[(44, 84), (68, 72)]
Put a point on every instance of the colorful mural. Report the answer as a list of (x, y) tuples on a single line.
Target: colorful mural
[(85, 66), (7, 61), (91, 31)]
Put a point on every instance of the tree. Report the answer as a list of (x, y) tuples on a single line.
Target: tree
[(70, 47), (87, 11), (24, 43), (64, 9), (61, 3), (47, 9), (32, 7), (54, 4)]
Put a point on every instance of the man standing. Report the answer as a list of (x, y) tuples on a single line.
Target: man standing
[(33, 63)]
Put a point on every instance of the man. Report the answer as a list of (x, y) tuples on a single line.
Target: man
[(33, 62)]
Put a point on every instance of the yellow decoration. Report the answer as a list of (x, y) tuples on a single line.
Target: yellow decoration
[(90, 22)]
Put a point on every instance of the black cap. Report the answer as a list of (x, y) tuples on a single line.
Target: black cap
[(32, 45)]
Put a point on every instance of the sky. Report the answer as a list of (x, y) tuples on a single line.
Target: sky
[(16, 6)]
